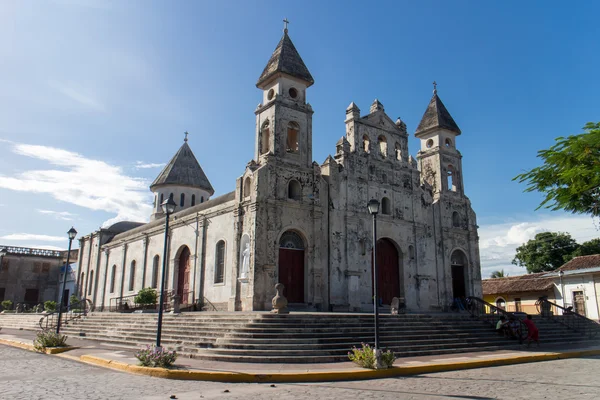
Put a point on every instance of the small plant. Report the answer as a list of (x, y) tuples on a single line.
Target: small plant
[(146, 296), (7, 304), (73, 299), (153, 356), (365, 357), (46, 339), (50, 306)]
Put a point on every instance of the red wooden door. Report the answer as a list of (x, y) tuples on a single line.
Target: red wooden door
[(291, 274), (388, 269), (183, 281)]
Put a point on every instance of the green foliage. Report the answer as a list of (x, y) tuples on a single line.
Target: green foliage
[(146, 296), (588, 248), (153, 356), (50, 306), (365, 357), (546, 252), (73, 299), (46, 339), (7, 305), (570, 175), (498, 274)]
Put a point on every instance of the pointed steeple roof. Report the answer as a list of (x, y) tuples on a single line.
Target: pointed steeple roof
[(285, 59), (436, 116), (184, 170)]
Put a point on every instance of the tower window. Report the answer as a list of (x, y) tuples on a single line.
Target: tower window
[(293, 93), (270, 94), (451, 178), (181, 200), (398, 151), (220, 262), (382, 141), (162, 198), (448, 142), (385, 206), (455, 220), (429, 143), (193, 200), (366, 144), (292, 137), (294, 190), (265, 137), (247, 185)]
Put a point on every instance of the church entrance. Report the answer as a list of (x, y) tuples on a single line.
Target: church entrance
[(291, 266), (388, 269), (183, 279), (458, 262)]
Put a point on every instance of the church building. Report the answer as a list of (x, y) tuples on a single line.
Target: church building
[(306, 225)]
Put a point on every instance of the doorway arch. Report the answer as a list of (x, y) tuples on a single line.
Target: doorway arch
[(458, 263), (183, 276), (388, 271), (291, 266)]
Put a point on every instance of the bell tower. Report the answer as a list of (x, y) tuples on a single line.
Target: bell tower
[(284, 118)]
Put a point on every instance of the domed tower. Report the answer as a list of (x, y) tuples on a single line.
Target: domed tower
[(183, 180)]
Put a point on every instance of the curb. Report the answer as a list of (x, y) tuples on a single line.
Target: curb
[(30, 347), (329, 376)]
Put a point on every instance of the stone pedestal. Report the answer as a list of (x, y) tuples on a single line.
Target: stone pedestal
[(279, 302)]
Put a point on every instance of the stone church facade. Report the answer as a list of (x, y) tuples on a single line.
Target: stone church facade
[(306, 225)]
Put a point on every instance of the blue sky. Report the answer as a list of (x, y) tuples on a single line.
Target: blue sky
[(95, 97)]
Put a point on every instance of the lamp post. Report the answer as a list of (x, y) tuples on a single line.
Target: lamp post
[(168, 206), (71, 233), (562, 288), (373, 207)]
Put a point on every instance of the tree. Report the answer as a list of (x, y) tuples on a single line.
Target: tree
[(498, 274), (570, 176), (546, 252), (588, 248)]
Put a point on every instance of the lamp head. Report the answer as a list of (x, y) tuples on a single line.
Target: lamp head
[(373, 206), (168, 206), (72, 233), (561, 273)]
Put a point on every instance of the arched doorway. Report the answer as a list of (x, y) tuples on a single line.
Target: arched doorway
[(388, 271), (291, 266), (458, 262), (183, 278)]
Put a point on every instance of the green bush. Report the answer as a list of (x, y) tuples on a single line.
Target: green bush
[(365, 357), (7, 305), (46, 339), (73, 299), (50, 306), (153, 356), (146, 296)]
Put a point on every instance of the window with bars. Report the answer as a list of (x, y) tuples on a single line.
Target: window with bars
[(220, 262)]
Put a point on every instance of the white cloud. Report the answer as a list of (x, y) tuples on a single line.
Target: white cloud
[(85, 182), (142, 165), (78, 94), (62, 215), (498, 242), (32, 236)]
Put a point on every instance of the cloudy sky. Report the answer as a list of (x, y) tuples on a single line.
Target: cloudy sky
[(95, 97)]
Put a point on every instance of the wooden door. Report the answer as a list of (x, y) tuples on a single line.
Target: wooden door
[(458, 281), (579, 303), (388, 281), (291, 274), (183, 281)]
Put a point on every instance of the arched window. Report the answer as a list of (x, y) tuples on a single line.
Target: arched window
[(398, 151), (220, 262), (132, 275), (155, 264), (385, 206), (366, 144), (82, 285), (382, 142), (201, 199), (448, 142), (292, 137), (171, 196), (193, 200), (501, 303), (291, 240), (112, 278), (181, 200), (294, 190), (91, 282), (455, 220), (265, 138), (247, 185), (411, 252), (162, 199), (451, 174)]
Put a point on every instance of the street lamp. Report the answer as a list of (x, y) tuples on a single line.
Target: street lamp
[(373, 207), (71, 233), (168, 206), (562, 288)]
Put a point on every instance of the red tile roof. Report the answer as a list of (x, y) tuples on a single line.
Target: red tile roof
[(518, 284), (582, 262)]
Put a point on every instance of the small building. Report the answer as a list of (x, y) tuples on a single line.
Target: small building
[(519, 293)]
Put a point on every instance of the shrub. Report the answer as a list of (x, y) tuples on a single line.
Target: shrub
[(50, 306), (7, 304), (49, 339), (73, 299), (146, 296), (153, 356), (365, 357)]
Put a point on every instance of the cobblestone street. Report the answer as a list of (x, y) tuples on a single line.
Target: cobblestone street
[(27, 375)]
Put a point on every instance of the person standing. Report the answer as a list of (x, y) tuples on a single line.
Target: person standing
[(533, 333)]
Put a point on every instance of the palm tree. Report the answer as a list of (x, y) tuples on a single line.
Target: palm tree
[(498, 274)]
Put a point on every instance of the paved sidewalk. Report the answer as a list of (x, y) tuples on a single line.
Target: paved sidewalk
[(107, 355)]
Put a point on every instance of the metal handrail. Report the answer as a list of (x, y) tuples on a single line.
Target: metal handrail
[(479, 308), (569, 318), (205, 300), (128, 303), (49, 321)]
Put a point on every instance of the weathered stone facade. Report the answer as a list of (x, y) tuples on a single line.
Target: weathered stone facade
[(306, 225)]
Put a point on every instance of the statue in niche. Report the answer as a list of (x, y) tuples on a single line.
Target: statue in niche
[(245, 262)]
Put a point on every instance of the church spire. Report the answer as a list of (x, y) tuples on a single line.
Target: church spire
[(436, 117)]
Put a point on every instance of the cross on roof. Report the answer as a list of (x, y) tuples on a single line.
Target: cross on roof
[(434, 87), (285, 25), (186, 135)]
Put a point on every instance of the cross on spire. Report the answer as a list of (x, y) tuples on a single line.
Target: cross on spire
[(434, 87), (186, 135), (285, 25)]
